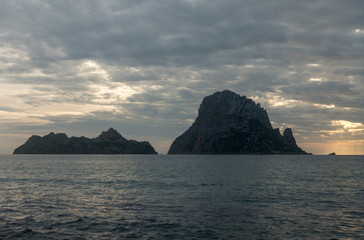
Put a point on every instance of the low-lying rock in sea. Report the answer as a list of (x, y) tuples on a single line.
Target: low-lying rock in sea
[(230, 124), (108, 142)]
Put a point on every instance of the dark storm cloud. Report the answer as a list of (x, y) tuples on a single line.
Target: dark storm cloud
[(339, 94), (172, 53), (175, 32), (151, 32)]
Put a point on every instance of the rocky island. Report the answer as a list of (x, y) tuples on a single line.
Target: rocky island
[(108, 142), (228, 123)]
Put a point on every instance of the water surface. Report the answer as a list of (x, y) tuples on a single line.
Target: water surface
[(181, 197)]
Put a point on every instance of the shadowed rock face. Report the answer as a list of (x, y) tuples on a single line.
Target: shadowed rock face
[(230, 124), (109, 142), (288, 136)]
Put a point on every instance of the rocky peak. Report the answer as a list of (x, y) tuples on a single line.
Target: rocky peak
[(56, 138), (56, 135), (228, 123), (230, 103), (111, 135)]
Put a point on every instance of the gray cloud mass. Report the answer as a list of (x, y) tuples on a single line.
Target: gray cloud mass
[(143, 67)]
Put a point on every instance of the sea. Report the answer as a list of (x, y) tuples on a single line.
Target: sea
[(181, 197)]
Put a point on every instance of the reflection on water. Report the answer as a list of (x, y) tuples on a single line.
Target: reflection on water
[(181, 197)]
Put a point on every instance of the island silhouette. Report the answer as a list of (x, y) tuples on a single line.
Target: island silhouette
[(108, 142), (227, 123)]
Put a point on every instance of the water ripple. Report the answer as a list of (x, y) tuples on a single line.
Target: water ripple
[(181, 197)]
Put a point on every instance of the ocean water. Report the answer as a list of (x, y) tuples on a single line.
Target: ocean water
[(181, 197)]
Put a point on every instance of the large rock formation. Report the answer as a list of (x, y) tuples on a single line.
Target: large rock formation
[(109, 142), (230, 124)]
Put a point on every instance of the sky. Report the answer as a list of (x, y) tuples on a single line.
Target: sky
[(143, 67)]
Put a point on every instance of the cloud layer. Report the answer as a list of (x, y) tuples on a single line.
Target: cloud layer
[(143, 67)]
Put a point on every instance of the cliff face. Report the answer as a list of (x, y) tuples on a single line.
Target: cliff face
[(230, 124), (109, 142)]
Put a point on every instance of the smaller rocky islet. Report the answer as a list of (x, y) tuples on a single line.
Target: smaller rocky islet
[(108, 142), (227, 123)]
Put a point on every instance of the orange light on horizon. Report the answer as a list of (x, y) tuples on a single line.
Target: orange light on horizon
[(348, 147)]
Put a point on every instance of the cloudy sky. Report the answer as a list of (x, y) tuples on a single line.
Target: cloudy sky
[(143, 67)]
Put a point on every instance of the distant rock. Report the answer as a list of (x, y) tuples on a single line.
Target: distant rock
[(230, 124), (109, 142), (333, 153)]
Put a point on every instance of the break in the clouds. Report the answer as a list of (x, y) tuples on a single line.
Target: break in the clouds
[(143, 67)]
